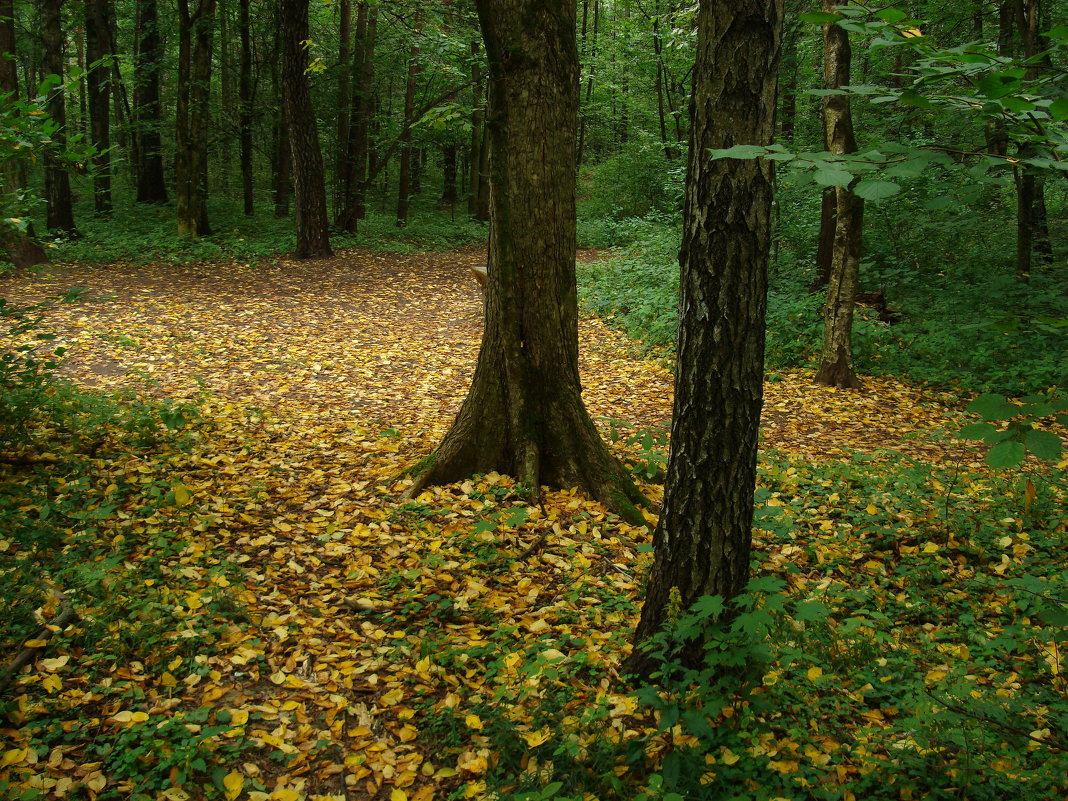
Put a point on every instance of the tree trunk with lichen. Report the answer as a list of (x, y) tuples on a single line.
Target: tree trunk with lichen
[(836, 355), (704, 537), (524, 414)]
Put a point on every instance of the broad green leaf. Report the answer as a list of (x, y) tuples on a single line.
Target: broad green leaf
[(891, 15), (1058, 109), (828, 176), (977, 431), (907, 169), (819, 17), (1005, 454), (739, 152), (811, 610), (1044, 444), (993, 407), (914, 98), (1017, 104), (875, 190)]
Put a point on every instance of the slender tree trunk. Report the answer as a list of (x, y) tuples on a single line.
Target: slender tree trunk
[(448, 175), (245, 101), (98, 96), (477, 115), (309, 184), (589, 83), (195, 30), (524, 413), (148, 114), (836, 357), (346, 68), (405, 187), (281, 172), (788, 92), (355, 179), (670, 153), (60, 204), (703, 540), (21, 246)]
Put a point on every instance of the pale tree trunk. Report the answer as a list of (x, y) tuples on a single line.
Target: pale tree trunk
[(98, 98), (148, 114), (703, 540), (309, 184), (524, 413), (195, 31), (60, 203), (836, 356), (21, 246)]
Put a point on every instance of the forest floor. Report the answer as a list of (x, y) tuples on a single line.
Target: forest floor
[(316, 636)]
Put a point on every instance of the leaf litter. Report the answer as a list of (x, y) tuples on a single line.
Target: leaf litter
[(329, 640)]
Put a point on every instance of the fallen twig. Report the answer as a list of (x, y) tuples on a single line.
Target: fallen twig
[(64, 618)]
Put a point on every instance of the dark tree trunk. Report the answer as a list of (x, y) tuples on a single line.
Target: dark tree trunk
[(195, 30), (246, 100), (343, 166), (309, 184), (148, 114), (281, 181), (477, 116), (524, 413), (22, 248), (788, 91), (703, 540), (662, 89), (355, 179), (405, 188), (98, 98), (60, 204), (448, 175), (836, 356)]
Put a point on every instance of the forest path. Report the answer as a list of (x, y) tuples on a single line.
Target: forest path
[(389, 341)]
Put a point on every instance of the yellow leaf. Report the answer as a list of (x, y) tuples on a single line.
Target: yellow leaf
[(52, 683), (473, 722), (52, 665), (168, 680), (13, 757), (35, 643), (238, 717), (285, 794), (233, 782), (727, 756), (444, 773), (96, 782), (398, 795), (870, 509), (536, 738), (182, 495), (814, 673)]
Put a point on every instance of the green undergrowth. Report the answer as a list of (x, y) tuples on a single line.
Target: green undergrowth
[(905, 639), (143, 233)]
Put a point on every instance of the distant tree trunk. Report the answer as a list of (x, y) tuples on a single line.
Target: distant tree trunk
[(195, 30), (355, 179), (246, 100), (60, 204), (405, 189), (703, 539), (448, 175), (342, 165), (825, 241), (788, 92), (148, 115), (98, 98), (477, 116), (836, 356), (524, 413), (589, 79), (309, 184), (22, 248), (281, 180), (662, 90)]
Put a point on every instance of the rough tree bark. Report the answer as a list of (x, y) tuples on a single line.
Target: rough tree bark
[(245, 101), (703, 540), (195, 32), (98, 98), (524, 413), (22, 247), (342, 166), (406, 179), (836, 355), (60, 203), (309, 183), (354, 180), (148, 113)]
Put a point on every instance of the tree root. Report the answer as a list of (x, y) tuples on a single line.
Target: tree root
[(64, 618)]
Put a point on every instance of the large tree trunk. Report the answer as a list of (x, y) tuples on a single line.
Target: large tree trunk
[(836, 356), (406, 180), (246, 100), (195, 29), (524, 413), (22, 248), (309, 184), (702, 543), (355, 179), (98, 98), (60, 204), (148, 114)]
